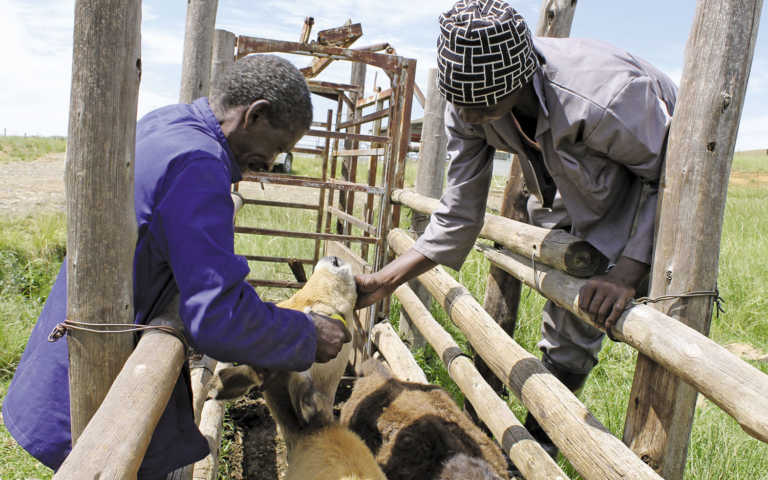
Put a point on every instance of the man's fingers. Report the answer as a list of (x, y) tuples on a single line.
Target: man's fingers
[(585, 296), (616, 312)]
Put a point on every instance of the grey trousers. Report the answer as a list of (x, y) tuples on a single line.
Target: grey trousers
[(568, 341)]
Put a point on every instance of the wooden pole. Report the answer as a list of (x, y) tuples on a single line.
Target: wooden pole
[(223, 55), (115, 441), (701, 144), (211, 421), (396, 353), (101, 223), (555, 248), (735, 386), (592, 450), (517, 443), (429, 182), (198, 47)]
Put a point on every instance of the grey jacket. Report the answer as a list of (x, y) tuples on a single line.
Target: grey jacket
[(602, 129)]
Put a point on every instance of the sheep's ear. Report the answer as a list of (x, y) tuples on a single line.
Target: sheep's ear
[(233, 382)]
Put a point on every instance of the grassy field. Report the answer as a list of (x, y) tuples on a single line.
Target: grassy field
[(19, 149), (31, 251)]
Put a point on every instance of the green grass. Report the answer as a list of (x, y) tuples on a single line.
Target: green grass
[(17, 149), (31, 250), (751, 161)]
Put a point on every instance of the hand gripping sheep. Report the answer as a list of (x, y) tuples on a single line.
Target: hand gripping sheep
[(302, 402)]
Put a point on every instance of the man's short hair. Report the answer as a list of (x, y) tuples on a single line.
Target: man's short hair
[(266, 77), (484, 52)]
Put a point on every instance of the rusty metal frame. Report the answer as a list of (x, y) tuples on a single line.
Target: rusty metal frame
[(387, 151)]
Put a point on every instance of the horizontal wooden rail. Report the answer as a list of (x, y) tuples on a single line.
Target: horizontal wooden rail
[(321, 86), (731, 383), (272, 203), (396, 354), (312, 235), (353, 220), (370, 100), (555, 248), (592, 450), (312, 182), (532, 461), (309, 151)]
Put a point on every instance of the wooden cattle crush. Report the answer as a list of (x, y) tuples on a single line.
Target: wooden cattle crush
[(114, 441)]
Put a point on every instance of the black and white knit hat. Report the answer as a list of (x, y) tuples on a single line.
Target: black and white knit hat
[(484, 52)]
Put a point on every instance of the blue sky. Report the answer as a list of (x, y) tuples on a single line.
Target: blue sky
[(37, 40)]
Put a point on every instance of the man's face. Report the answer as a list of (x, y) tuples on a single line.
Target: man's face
[(487, 114), (256, 146)]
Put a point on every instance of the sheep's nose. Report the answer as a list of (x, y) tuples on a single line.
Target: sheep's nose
[(335, 261)]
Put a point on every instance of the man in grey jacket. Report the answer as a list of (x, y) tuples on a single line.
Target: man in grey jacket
[(589, 123)]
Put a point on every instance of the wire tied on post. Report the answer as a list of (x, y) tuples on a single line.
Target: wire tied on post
[(62, 328)]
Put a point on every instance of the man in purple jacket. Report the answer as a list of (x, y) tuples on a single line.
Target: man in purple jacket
[(187, 157)]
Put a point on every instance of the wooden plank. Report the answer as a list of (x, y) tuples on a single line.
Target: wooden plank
[(223, 55), (260, 258), (731, 383), (692, 204), (333, 87), (365, 119), (101, 221), (556, 18), (384, 94), (340, 35), (306, 29), (211, 426), (532, 461), (349, 136), (311, 182), (255, 282), (310, 151), (398, 356), (556, 248), (198, 49), (570, 425)]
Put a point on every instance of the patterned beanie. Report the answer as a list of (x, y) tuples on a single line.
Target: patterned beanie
[(484, 52)]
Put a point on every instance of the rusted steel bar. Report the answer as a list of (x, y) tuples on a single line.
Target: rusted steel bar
[(373, 165), (291, 234), (340, 35), (297, 268), (255, 282), (352, 219), (321, 193), (364, 102), (556, 248), (365, 119), (261, 258), (377, 47), (349, 164), (339, 108), (272, 203), (409, 82), (348, 136), (360, 153), (311, 182), (310, 151), (332, 86), (248, 45)]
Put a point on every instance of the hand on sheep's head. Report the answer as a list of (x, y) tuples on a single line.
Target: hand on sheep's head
[(332, 334)]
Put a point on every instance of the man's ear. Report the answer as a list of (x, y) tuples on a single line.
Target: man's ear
[(254, 111)]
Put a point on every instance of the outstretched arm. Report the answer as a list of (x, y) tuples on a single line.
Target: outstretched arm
[(372, 287)]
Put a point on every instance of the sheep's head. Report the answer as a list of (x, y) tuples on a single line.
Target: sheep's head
[(331, 290)]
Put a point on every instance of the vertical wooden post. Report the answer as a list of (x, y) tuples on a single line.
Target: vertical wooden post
[(701, 143), (223, 54), (101, 223), (502, 290), (429, 182), (198, 45), (349, 164)]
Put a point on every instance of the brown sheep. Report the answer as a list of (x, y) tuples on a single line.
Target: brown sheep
[(416, 431), (302, 402)]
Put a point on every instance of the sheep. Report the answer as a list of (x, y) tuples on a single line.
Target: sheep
[(302, 402), (417, 431)]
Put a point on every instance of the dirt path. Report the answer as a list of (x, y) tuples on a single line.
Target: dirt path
[(30, 186)]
